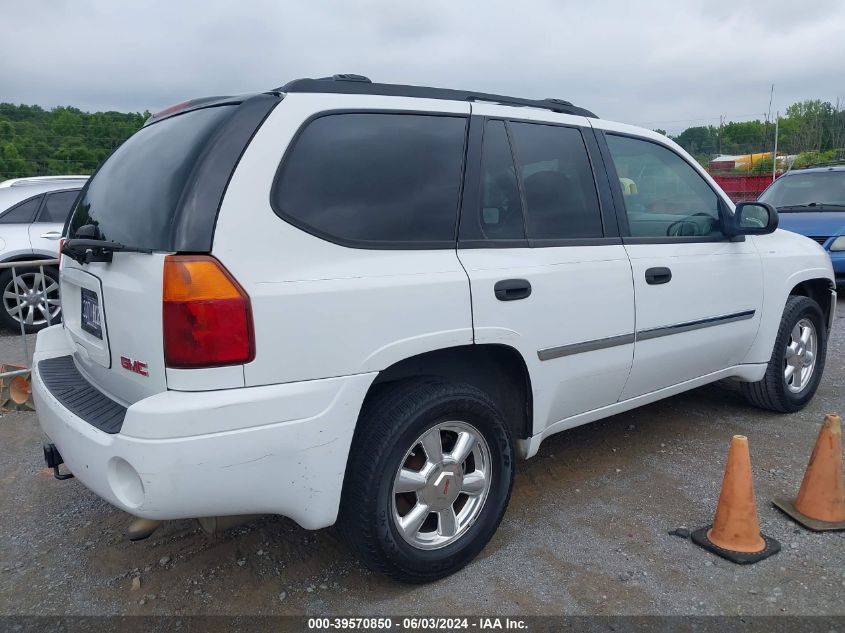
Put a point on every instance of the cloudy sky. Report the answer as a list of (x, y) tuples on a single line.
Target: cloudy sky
[(667, 64)]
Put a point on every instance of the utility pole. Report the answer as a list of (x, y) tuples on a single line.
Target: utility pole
[(775, 153), (769, 113), (771, 96)]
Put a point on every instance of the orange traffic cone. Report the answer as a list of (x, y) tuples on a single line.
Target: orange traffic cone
[(735, 533), (820, 504), (15, 392)]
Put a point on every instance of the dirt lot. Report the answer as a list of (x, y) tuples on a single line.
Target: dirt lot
[(586, 531)]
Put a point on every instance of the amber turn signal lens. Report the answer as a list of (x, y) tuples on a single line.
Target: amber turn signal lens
[(197, 278)]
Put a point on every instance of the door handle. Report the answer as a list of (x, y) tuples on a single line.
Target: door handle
[(512, 289), (658, 275), (52, 235)]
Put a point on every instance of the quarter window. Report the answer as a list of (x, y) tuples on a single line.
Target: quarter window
[(664, 196), (560, 192), (375, 179), (22, 213)]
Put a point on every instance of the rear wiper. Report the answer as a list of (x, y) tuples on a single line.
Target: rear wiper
[(85, 251)]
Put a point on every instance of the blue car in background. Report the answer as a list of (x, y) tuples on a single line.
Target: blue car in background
[(812, 202)]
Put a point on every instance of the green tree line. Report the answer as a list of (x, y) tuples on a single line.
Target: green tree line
[(812, 129), (39, 142)]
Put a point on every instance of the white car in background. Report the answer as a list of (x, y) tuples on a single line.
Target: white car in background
[(32, 215)]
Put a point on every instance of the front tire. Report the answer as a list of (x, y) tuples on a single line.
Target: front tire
[(24, 298), (797, 363), (428, 479)]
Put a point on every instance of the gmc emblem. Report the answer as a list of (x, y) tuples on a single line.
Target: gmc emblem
[(134, 365)]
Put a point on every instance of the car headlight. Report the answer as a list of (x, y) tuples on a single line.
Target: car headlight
[(838, 244)]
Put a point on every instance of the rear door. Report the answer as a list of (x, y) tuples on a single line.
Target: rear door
[(698, 292), (548, 272)]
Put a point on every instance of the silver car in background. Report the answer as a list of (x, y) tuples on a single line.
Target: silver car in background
[(32, 216)]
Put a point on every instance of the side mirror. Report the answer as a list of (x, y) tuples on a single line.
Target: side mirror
[(754, 218)]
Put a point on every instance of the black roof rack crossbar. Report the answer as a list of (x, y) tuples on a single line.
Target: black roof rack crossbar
[(358, 84)]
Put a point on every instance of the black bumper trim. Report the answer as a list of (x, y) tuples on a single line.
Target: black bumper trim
[(67, 385)]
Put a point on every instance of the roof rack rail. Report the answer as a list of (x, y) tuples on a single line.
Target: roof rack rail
[(36, 180), (359, 84), (558, 101), (349, 77)]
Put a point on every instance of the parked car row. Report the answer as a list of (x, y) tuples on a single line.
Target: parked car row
[(33, 212)]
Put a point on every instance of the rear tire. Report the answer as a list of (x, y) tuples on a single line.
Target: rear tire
[(428, 479), (33, 305), (788, 390)]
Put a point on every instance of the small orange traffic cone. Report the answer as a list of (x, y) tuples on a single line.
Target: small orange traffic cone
[(15, 392), (820, 504), (735, 533)]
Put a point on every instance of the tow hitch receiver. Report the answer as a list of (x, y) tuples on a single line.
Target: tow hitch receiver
[(54, 459)]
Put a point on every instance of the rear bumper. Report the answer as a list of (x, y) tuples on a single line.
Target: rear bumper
[(278, 449)]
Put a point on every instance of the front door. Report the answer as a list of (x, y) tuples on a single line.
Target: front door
[(698, 292), (548, 273)]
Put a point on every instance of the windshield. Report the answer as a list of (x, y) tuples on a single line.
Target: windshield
[(132, 199), (810, 190)]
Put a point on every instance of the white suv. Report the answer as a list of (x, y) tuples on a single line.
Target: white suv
[(358, 303)]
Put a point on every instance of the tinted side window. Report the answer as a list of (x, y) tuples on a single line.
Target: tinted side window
[(500, 215), (664, 195), (58, 207), (560, 192), (23, 213), (377, 178)]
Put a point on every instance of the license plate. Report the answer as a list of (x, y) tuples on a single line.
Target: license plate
[(91, 313)]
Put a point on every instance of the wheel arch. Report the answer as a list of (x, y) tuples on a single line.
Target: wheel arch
[(498, 370), (30, 257), (814, 283), (819, 290)]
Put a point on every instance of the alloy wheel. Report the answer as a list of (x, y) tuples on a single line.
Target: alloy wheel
[(800, 359), (441, 485), (30, 297)]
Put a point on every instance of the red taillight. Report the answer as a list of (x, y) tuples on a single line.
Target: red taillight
[(207, 315)]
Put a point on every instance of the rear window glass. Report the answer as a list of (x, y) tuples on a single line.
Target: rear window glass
[(132, 199), (374, 179)]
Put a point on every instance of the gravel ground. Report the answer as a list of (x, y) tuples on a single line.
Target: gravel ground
[(586, 531)]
